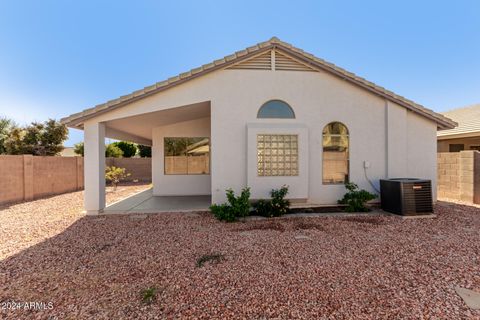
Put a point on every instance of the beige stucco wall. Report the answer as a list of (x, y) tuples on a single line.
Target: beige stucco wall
[(394, 141), (443, 145), (422, 149), (163, 184)]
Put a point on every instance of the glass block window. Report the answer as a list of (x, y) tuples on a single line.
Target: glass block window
[(277, 155)]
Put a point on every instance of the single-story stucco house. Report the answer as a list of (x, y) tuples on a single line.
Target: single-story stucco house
[(466, 136), (263, 117)]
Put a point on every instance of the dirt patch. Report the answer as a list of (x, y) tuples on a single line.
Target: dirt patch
[(213, 258), (303, 225), (261, 225), (365, 220)]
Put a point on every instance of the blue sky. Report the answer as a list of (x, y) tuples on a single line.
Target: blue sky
[(60, 57)]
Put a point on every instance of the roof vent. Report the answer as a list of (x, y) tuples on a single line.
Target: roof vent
[(285, 62), (260, 62)]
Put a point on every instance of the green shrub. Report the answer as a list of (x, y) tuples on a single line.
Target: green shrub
[(115, 175), (223, 212), (149, 295), (274, 207), (237, 207), (214, 258), (356, 199), (280, 205), (263, 208), (240, 205)]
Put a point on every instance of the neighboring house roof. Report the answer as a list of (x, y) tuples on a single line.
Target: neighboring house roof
[(77, 119), (68, 152), (468, 119)]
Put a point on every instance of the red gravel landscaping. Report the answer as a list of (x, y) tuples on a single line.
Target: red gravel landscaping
[(378, 267)]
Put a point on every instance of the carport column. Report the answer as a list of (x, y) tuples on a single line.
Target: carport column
[(94, 164)]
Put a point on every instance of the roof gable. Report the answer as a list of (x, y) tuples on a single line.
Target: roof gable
[(272, 59), (262, 56)]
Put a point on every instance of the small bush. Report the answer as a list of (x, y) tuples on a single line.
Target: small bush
[(240, 205), (216, 258), (237, 207), (274, 207), (115, 175), (263, 208), (356, 199), (223, 212), (149, 295), (280, 205)]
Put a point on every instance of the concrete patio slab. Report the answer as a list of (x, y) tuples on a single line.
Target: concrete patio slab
[(145, 202), (129, 203), (470, 297), (302, 237), (138, 217)]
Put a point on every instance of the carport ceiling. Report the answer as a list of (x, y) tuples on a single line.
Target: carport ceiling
[(142, 125)]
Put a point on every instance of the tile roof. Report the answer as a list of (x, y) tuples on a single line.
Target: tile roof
[(468, 119), (77, 119)]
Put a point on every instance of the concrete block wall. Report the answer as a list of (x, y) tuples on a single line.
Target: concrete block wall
[(139, 168), (55, 175), (12, 177), (27, 177), (458, 176), (448, 175)]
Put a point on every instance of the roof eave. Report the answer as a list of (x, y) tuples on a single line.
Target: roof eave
[(77, 120)]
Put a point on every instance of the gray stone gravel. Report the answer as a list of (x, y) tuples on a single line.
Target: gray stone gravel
[(378, 267)]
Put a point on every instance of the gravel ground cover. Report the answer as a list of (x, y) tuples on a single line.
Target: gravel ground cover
[(25, 224), (191, 266)]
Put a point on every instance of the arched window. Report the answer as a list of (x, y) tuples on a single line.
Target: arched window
[(335, 153), (275, 109)]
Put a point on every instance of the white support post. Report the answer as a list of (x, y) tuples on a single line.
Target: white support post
[(94, 166)]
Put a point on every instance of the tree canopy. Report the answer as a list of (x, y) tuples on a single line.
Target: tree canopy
[(6, 126), (79, 149), (144, 151), (129, 149), (40, 139), (111, 150)]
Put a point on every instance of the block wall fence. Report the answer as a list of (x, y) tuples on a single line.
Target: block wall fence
[(27, 177), (458, 176)]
